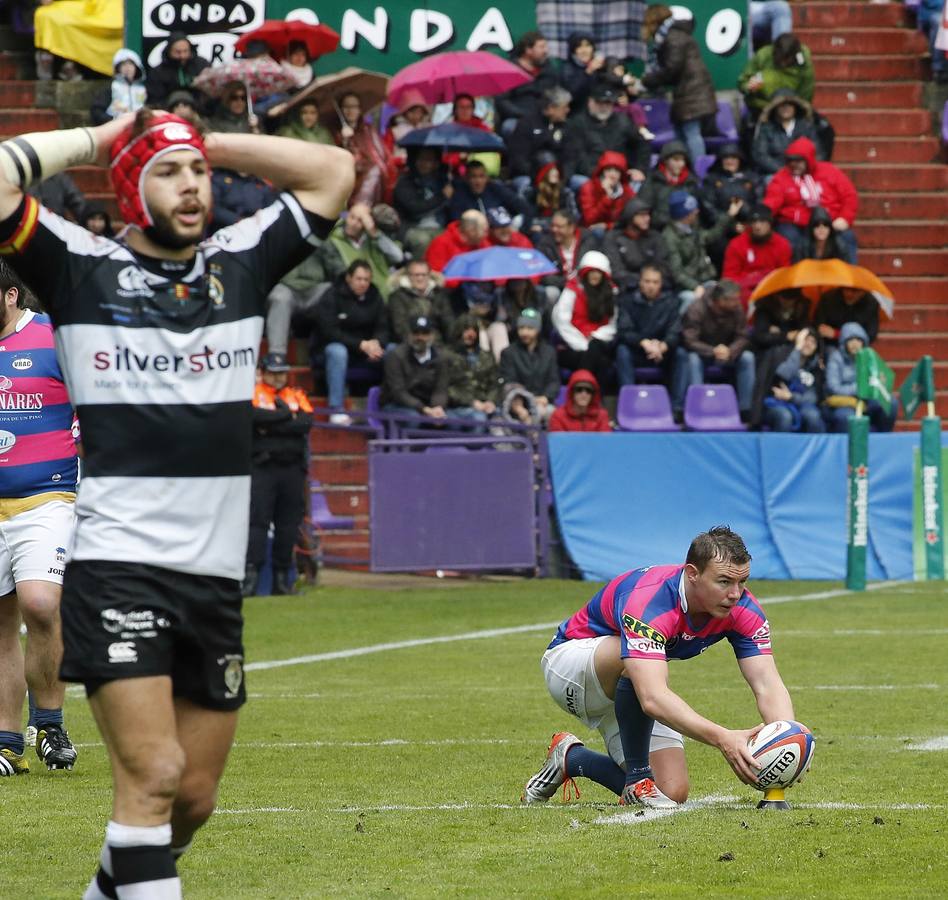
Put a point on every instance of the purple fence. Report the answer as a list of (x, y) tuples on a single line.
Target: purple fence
[(453, 503)]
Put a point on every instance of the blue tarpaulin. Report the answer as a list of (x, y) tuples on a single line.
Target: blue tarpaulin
[(628, 500)]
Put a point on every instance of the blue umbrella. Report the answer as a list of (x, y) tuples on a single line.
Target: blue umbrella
[(451, 136), (498, 264)]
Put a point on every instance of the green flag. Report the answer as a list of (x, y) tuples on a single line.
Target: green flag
[(874, 378), (919, 387)]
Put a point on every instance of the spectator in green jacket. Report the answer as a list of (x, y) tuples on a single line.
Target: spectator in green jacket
[(687, 244), (785, 63), (474, 379), (358, 236)]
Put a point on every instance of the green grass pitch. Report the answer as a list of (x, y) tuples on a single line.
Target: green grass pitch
[(398, 773)]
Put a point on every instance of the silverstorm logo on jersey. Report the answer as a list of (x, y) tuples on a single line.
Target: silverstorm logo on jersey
[(124, 359)]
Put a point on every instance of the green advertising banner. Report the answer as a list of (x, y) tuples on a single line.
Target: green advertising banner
[(919, 387), (387, 37), (874, 379), (929, 503)]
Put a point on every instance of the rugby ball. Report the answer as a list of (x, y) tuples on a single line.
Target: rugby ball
[(784, 751)]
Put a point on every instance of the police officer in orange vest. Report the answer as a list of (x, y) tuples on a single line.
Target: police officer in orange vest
[(282, 417)]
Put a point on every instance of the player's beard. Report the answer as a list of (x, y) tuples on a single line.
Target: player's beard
[(164, 232)]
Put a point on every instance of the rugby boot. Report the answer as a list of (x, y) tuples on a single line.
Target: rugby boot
[(547, 781), (12, 763), (54, 747), (646, 793)]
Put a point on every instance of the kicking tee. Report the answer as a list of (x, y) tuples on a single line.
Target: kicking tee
[(159, 358), (648, 609)]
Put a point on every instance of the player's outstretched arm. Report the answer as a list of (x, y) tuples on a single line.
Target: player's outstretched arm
[(320, 177), (771, 694), (660, 702)]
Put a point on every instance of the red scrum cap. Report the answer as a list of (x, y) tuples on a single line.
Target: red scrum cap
[(131, 158)]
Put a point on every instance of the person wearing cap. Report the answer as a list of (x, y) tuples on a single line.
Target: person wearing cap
[(585, 317), (675, 62), (687, 244), (602, 198), (648, 329), (714, 333), (671, 173), (164, 403), (633, 244), (479, 191), (729, 177), (182, 103), (416, 376), (756, 252), (501, 230), (806, 183), (529, 372), (782, 121), (598, 128), (282, 418), (582, 410)]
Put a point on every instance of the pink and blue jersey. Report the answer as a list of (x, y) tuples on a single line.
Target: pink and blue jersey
[(648, 609), (37, 448)]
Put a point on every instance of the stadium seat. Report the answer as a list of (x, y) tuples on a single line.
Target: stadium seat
[(944, 124), (703, 164), (561, 396), (658, 120), (372, 405), (726, 127), (645, 407), (320, 514), (712, 407)]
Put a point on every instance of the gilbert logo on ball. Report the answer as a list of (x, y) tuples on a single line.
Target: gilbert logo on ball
[(784, 751)]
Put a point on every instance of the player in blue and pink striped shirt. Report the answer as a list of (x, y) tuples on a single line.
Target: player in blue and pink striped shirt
[(608, 666), (38, 473)]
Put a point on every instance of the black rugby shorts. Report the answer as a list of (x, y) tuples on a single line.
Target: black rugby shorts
[(130, 620)]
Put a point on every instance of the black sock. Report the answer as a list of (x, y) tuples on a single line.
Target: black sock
[(635, 731)]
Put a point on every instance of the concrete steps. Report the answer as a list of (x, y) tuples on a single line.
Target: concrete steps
[(865, 94), (910, 67), (906, 261), (918, 291), (918, 319), (888, 205), (921, 178), (878, 150), (872, 41), (855, 15), (894, 346), (868, 122)]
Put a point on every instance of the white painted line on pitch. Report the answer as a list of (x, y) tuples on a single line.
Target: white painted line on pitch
[(865, 687), (256, 809), (389, 742), (499, 632), (452, 807), (938, 743), (859, 632)]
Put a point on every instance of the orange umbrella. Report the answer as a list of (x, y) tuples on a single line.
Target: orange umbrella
[(817, 276)]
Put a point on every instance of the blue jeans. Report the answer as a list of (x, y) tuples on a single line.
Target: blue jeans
[(879, 419), (689, 370), (690, 133), (337, 361), (625, 364), (775, 13), (780, 418)]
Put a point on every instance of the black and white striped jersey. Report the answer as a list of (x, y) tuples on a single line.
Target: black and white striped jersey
[(159, 358)]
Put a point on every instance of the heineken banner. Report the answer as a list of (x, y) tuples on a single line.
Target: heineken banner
[(387, 37), (919, 387), (857, 503), (928, 532)]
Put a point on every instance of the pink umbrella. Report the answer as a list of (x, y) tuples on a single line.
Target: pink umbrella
[(440, 78)]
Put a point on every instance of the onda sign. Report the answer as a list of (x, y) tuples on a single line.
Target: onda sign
[(381, 36)]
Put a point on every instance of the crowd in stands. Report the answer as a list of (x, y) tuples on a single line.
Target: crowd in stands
[(655, 263)]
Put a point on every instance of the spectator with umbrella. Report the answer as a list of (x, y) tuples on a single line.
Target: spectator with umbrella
[(374, 174), (233, 114), (502, 232), (467, 233), (412, 112), (302, 122), (179, 66), (479, 191), (421, 198)]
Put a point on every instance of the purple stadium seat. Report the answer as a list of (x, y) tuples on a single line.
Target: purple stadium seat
[(712, 407), (320, 514), (561, 396), (944, 124), (658, 120), (703, 164), (726, 126), (372, 405), (644, 407), (648, 374)]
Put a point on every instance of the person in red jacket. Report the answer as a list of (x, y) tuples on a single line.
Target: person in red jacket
[(602, 198), (582, 410), (502, 232), (755, 252), (804, 184), (466, 234)]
